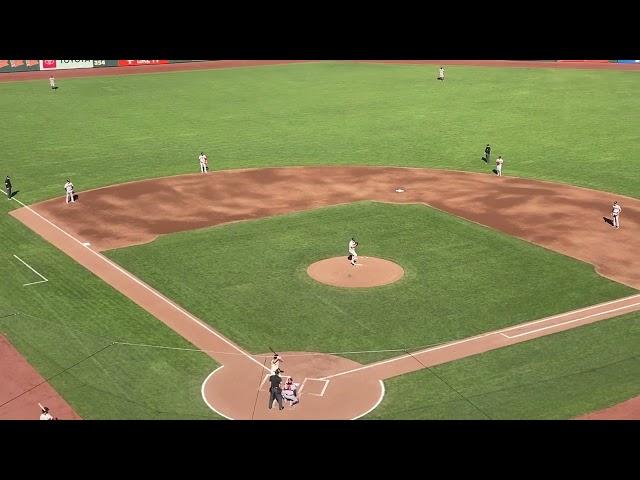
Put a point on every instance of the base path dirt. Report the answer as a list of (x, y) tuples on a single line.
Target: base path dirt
[(629, 410), (526, 209), (103, 219), (367, 272), (22, 388)]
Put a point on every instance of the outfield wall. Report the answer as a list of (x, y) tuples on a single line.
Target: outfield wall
[(10, 66)]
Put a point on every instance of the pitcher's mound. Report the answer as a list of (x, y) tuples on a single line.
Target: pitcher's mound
[(368, 272)]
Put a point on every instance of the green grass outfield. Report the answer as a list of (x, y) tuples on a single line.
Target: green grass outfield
[(555, 377), (574, 126), (248, 280)]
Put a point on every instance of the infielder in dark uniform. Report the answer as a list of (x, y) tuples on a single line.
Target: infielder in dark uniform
[(275, 391), (487, 153), (7, 187)]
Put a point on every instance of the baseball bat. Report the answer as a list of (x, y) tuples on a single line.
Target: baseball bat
[(274, 352)]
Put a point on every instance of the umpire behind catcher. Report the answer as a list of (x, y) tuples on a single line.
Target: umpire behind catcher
[(275, 391), (7, 187)]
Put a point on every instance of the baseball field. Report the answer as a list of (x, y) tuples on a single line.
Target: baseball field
[(162, 292)]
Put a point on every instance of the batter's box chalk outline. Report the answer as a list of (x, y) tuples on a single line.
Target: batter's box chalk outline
[(323, 389), (263, 384)]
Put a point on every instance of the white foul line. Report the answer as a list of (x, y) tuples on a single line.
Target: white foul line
[(204, 397), (165, 299), (476, 337), (569, 321), (34, 271), (382, 392), (515, 327)]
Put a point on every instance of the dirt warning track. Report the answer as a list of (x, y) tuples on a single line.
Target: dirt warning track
[(104, 219)]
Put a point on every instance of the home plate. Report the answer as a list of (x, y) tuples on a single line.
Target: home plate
[(399, 190)]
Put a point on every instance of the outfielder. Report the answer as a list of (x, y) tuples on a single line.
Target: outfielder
[(615, 213), (441, 73), (204, 162), (353, 256), (69, 190), (52, 83)]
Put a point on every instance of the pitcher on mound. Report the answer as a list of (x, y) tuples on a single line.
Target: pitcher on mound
[(353, 256)]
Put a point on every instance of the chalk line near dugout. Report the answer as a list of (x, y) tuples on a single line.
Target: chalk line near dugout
[(34, 271)]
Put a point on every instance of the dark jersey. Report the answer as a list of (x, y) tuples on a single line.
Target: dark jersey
[(7, 183), (487, 150), (275, 382)]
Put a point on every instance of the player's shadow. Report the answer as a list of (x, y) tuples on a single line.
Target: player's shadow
[(13, 194), (76, 196), (54, 88), (608, 220), (495, 171)]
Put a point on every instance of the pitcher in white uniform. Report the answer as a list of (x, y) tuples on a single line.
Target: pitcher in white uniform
[(353, 256)]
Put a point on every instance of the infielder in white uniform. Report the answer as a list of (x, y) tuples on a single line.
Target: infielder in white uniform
[(615, 213), (353, 256), (69, 190), (204, 162), (499, 162)]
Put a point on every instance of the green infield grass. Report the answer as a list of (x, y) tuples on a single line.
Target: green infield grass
[(248, 280)]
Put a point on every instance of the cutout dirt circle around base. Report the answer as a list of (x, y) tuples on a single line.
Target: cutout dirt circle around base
[(239, 390), (368, 272)]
